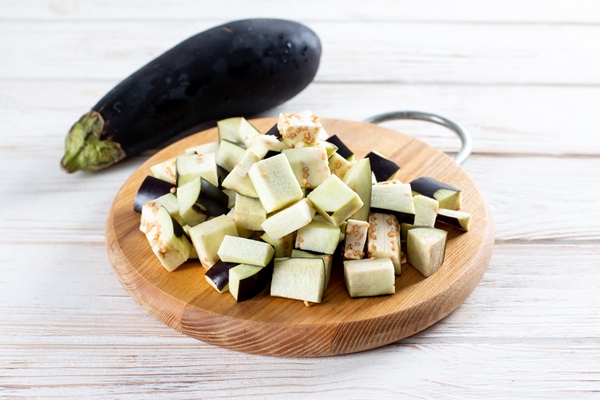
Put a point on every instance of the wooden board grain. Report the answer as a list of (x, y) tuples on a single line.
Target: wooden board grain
[(282, 327)]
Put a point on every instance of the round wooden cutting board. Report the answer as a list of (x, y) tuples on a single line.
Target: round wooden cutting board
[(275, 326)]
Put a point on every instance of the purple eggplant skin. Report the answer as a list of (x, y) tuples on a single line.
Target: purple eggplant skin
[(383, 168), (151, 189), (236, 69), (428, 186)]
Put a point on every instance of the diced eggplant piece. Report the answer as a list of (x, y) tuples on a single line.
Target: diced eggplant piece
[(152, 188), (275, 183), (458, 219), (299, 279), (168, 240), (218, 276), (263, 144), (327, 260), (342, 149), (274, 131), (242, 232), (166, 171), (343, 231), (383, 168), (334, 200), (207, 238), (229, 155), (192, 166), (448, 196), (245, 251), (358, 178), (249, 213), (283, 246), (384, 239), (338, 165), (425, 249), (237, 130), (426, 210), (370, 277), (301, 129), (309, 165), (200, 197), (356, 238), (212, 147), (289, 219), (238, 178), (149, 210), (393, 197), (246, 281), (320, 237)]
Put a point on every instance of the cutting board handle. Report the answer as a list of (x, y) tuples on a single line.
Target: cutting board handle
[(463, 134)]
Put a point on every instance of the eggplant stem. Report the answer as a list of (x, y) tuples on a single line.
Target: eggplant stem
[(84, 148)]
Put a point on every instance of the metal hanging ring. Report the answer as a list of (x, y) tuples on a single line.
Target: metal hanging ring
[(463, 134)]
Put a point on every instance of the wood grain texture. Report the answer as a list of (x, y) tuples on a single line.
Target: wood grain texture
[(339, 325)]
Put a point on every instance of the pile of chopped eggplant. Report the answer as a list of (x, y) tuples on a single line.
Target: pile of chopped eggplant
[(272, 209)]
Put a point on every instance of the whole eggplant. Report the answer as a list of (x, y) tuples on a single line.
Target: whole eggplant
[(236, 69)]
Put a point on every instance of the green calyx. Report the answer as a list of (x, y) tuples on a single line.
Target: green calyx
[(85, 151)]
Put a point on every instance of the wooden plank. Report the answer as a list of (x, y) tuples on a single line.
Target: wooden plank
[(501, 119), (529, 329), (577, 11), (382, 52)]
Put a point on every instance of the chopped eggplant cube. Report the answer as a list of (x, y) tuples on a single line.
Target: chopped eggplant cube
[(229, 155), (246, 281), (149, 210), (425, 249), (426, 210), (370, 277), (383, 168), (327, 259), (321, 237), (263, 144), (458, 219), (356, 237), (448, 196), (207, 238), (218, 276), (299, 279), (338, 165), (168, 240), (393, 197), (245, 251), (165, 171), (201, 197), (249, 213), (309, 164), (358, 178), (342, 149), (151, 188), (236, 130), (283, 246), (384, 239), (192, 166), (275, 183), (289, 219), (334, 200), (301, 129)]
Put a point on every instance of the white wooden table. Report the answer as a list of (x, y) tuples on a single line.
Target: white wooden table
[(522, 76)]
